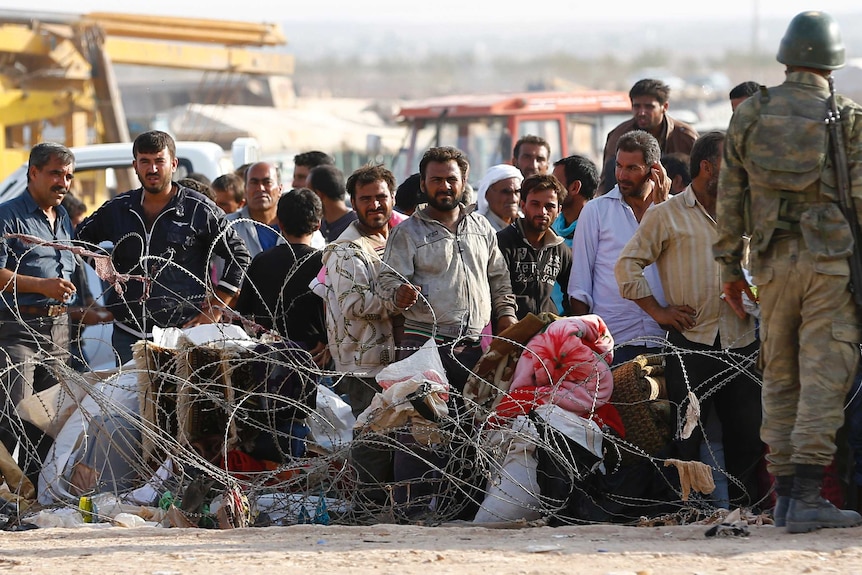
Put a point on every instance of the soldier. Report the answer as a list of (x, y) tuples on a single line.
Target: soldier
[(777, 145)]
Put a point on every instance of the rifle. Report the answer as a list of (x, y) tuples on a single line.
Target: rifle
[(845, 199)]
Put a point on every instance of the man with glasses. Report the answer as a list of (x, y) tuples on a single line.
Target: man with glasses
[(604, 226)]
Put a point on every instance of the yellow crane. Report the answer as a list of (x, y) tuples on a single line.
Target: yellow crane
[(58, 70)]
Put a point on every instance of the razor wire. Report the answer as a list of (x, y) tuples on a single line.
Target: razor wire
[(174, 432)]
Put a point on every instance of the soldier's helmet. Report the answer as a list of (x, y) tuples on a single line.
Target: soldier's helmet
[(812, 40)]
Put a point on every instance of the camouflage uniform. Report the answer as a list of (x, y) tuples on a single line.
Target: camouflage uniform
[(777, 184)]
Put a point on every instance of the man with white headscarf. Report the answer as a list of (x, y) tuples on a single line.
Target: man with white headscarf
[(499, 194)]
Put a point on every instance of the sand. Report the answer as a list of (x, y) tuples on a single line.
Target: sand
[(411, 550)]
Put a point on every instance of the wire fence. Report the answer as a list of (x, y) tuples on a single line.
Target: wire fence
[(225, 427)]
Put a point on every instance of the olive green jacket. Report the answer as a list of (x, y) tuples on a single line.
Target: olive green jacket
[(777, 174)]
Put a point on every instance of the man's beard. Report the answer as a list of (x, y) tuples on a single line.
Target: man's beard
[(154, 189), (531, 224), (638, 191), (445, 207), (366, 220)]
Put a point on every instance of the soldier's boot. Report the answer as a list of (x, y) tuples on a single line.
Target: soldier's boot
[(808, 511), (783, 488)]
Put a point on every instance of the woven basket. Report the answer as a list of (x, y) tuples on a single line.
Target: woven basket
[(640, 397)]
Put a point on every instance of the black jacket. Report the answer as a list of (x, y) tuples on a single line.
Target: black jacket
[(175, 255), (532, 271)]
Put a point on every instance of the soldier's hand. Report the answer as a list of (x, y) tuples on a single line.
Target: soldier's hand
[(733, 295)]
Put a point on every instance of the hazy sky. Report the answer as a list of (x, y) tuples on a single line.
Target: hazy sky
[(434, 11)]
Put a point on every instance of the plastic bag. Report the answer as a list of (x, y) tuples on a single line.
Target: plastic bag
[(332, 423), (425, 362)]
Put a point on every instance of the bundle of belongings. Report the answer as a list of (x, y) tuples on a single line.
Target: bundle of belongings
[(209, 397), (409, 431), (567, 438), (415, 394), (547, 417)]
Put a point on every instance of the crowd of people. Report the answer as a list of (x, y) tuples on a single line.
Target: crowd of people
[(654, 243)]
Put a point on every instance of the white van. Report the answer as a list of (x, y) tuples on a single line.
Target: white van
[(104, 170)]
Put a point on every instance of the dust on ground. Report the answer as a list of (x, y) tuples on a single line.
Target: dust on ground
[(413, 550)]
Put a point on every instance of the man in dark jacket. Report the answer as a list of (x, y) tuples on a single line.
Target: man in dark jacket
[(649, 110), (536, 256), (167, 234)]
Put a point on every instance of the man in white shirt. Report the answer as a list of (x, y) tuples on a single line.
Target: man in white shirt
[(605, 225)]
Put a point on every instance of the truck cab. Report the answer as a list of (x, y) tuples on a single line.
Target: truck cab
[(486, 127)]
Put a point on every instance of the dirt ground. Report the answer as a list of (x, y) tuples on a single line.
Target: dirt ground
[(409, 550)]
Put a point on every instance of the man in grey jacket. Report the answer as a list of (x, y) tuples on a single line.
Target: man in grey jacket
[(444, 272), (443, 269)]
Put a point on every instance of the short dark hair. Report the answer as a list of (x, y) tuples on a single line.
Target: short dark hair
[(707, 147), (539, 182), (299, 212), (444, 155), (409, 194), (368, 174), (242, 171), (44, 152), (153, 142), (744, 90), (73, 205), (202, 178), (530, 139), (313, 158), (231, 183), (581, 169), (198, 186), (677, 164), (640, 141), (328, 180), (648, 87)]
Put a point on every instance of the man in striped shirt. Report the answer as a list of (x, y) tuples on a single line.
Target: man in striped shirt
[(716, 349)]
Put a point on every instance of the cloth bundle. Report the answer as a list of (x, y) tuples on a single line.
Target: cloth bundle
[(569, 362)]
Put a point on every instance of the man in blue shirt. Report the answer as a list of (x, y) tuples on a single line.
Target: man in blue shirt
[(36, 284)]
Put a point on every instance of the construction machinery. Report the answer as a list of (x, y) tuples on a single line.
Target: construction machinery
[(57, 70)]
